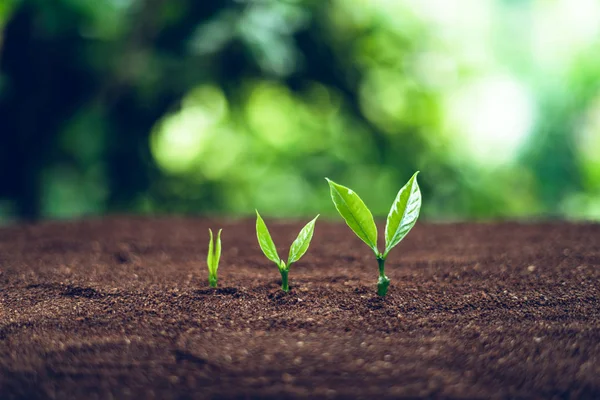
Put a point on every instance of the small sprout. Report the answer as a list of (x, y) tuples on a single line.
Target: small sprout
[(214, 254), (297, 249), (402, 217)]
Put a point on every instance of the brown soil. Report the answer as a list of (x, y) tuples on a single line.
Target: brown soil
[(121, 308)]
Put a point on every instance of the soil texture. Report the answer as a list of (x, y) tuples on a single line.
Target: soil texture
[(121, 308)]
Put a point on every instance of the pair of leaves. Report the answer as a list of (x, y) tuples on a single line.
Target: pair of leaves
[(297, 250), (402, 217), (214, 253)]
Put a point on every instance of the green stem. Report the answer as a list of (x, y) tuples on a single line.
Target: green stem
[(383, 282), (212, 281), (284, 280)]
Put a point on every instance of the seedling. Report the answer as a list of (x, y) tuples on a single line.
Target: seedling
[(297, 249), (402, 217), (212, 260)]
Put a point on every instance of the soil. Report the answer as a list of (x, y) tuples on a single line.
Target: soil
[(121, 308)]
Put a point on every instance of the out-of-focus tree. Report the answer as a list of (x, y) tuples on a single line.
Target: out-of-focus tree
[(223, 106)]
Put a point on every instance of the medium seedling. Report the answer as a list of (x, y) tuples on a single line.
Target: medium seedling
[(212, 260), (402, 217), (297, 249)]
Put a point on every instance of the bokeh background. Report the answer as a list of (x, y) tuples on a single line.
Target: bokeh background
[(220, 107)]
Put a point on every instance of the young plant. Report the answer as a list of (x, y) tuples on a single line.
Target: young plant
[(212, 260), (402, 217), (297, 249)]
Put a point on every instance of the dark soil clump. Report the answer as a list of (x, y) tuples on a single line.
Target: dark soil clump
[(121, 308)]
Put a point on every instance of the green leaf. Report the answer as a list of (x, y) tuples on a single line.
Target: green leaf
[(265, 241), (302, 242), (217, 255), (283, 266), (214, 252), (403, 214), (213, 257), (355, 213), (211, 252)]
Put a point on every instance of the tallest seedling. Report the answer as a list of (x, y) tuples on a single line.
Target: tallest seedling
[(400, 220)]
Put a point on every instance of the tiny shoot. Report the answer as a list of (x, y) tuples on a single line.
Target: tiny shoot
[(297, 250), (401, 219), (212, 260)]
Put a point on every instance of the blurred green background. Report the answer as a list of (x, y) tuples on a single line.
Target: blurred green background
[(220, 107)]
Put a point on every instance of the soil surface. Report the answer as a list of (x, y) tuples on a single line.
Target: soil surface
[(121, 308)]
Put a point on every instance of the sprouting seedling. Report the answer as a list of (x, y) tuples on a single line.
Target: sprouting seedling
[(212, 260), (402, 217), (297, 249)]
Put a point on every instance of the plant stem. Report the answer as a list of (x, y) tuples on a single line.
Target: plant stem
[(212, 281), (383, 282), (284, 280)]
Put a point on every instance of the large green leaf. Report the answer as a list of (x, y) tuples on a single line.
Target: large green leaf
[(302, 242), (265, 241), (403, 214), (355, 213)]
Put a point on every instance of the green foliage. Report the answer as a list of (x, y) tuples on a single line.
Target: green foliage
[(355, 213), (302, 242), (403, 214), (265, 241), (297, 250), (174, 138), (212, 260), (402, 217)]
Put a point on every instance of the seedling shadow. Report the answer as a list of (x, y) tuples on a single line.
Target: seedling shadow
[(225, 291)]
